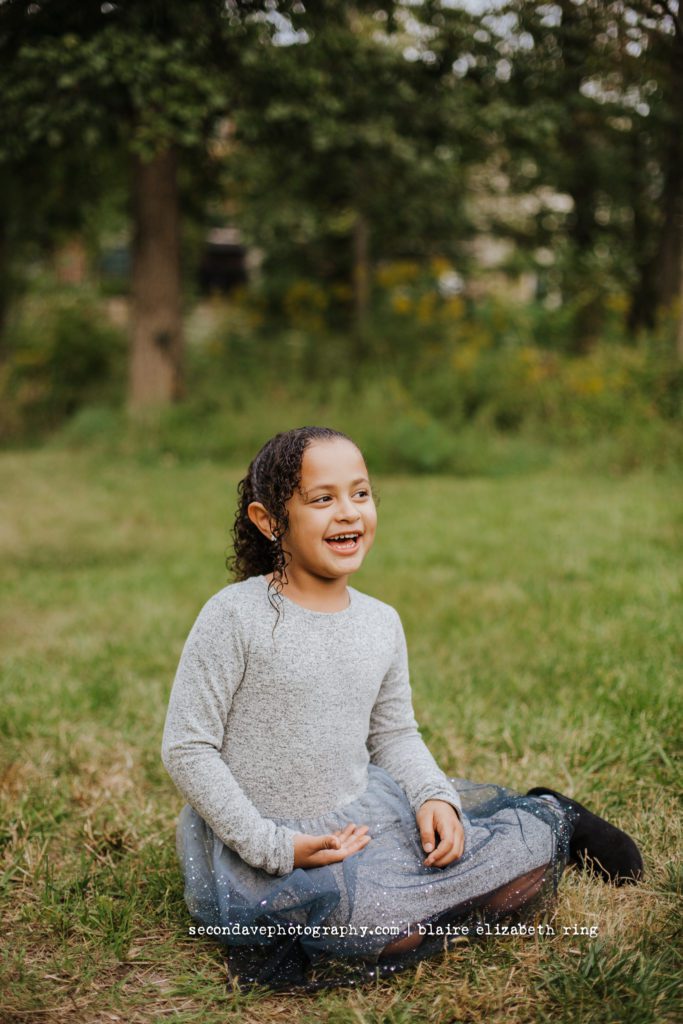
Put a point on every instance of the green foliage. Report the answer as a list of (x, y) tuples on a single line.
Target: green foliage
[(554, 127), (86, 86), (61, 355), (369, 132), (351, 128), (610, 427), (500, 364), (165, 98), (439, 382), (597, 150), (145, 77)]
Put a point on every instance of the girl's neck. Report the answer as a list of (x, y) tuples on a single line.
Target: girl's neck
[(314, 592)]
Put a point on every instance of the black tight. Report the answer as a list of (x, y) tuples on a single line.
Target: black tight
[(509, 897)]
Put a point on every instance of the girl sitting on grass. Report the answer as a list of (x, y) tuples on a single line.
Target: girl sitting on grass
[(320, 840)]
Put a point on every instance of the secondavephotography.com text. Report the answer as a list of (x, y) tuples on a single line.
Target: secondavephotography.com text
[(272, 931)]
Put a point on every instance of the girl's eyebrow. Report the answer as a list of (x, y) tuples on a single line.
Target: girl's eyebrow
[(331, 487)]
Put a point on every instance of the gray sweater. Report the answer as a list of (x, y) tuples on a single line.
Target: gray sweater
[(265, 724)]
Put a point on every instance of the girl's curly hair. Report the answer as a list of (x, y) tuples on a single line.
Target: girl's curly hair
[(272, 478)]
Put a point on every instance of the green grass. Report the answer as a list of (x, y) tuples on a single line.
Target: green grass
[(543, 615)]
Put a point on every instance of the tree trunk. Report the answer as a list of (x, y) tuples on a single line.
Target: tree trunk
[(156, 358), (580, 181), (361, 273), (4, 287), (679, 332), (669, 259), (643, 299), (665, 271), (70, 261)]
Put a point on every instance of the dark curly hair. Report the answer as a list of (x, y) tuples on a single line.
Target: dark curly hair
[(272, 478)]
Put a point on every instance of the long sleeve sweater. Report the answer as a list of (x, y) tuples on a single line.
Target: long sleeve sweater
[(281, 720)]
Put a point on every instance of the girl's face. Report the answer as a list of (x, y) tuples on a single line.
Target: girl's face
[(333, 500)]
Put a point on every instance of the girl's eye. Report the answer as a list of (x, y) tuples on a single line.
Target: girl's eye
[(327, 497)]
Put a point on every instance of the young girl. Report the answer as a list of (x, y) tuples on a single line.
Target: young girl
[(320, 841)]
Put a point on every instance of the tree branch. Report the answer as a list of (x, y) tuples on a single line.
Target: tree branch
[(667, 7)]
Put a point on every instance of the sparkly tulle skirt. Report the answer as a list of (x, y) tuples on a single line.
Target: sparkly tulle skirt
[(322, 927)]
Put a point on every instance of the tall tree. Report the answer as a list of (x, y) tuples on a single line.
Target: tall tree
[(150, 80), (658, 31), (363, 136), (600, 84)]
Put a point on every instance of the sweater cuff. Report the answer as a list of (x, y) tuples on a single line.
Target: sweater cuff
[(285, 844), (447, 793)]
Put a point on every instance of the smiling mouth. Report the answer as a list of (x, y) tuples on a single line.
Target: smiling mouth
[(344, 543)]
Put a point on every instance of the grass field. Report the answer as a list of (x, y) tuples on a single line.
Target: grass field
[(543, 615)]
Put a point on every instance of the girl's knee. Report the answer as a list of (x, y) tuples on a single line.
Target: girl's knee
[(519, 891), (409, 941)]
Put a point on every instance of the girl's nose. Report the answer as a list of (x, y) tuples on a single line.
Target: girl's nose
[(348, 512)]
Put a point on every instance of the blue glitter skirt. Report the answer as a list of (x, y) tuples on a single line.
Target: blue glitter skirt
[(324, 927)]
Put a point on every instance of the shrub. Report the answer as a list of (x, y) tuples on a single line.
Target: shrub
[(61, 355)]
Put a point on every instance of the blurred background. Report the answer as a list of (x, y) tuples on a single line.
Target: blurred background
[(454, 229)]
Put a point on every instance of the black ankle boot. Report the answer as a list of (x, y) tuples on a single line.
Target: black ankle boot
[(598, 845)]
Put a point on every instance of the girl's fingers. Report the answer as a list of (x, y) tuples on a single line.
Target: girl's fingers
[(331, 842), (360, 830), (448, 856), (443, 861), (353, 847), (332, 856), (439, 856), (350, 842), (344, 831), (351, 829), (335, 846)]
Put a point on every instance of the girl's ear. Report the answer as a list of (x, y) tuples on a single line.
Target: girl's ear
[(261, 519)]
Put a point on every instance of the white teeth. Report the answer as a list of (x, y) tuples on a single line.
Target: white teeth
[(344, 536)]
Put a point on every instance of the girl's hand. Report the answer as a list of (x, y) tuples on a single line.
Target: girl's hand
[(441, 817), (316, 851)]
